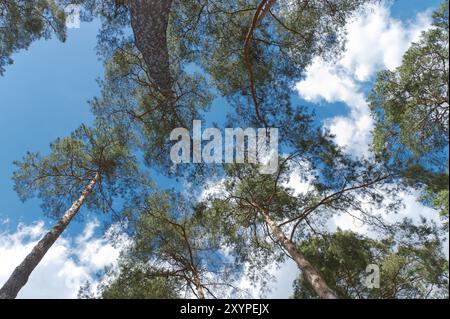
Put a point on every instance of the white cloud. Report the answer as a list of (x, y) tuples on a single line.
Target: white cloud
[(411, 208), (211, 188), (352, 132), (283, 286), (330, 83), (299, 181), (280, 285), (67, 265), (375, 41)]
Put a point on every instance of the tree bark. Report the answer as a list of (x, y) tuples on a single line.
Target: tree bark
[(311, 274), (198, 285), (149, 20), (20, 276)]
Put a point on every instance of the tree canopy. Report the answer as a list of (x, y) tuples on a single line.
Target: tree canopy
[(165, 62), (411, 108), (411, 264), (22, 22)]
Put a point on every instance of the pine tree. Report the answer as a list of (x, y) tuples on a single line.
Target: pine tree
[(272, 219), (89, 168), (410, 262), (411, 109), (23, 21)]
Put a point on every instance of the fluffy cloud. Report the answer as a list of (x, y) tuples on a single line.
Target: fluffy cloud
[(280, 285), (375, 41), (283, 286), (212, 188), (299, 181), (68, 264), (411, 208)]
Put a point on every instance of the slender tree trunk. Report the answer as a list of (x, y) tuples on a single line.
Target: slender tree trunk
[(311, 274), (20, 276)]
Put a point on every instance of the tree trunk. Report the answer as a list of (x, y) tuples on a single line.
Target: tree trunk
[(198, 285), (149, 20), (20, 276), (311, 274)]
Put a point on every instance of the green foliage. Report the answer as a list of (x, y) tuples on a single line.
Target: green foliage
[(284, 42), (439, 200), (292, 31), (412, 267), (336, 185), (25, 21), (132, 281), (178, 245), (411, 109), (210, 35), (59, 178), (413, 99), (174, 242), (130, 98)]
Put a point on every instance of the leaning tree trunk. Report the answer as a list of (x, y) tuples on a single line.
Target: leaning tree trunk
[(149, 21), (311, 274), (22, 272)]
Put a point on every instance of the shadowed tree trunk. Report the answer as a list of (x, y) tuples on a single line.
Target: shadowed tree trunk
[(311, 274), (20, 276), (149, 20)]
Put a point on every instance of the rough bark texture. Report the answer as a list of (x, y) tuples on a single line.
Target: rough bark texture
[(20, 276), (198, 285), (311, 274), (149, 20)]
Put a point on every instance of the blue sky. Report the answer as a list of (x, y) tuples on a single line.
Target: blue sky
[(44, 95)]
